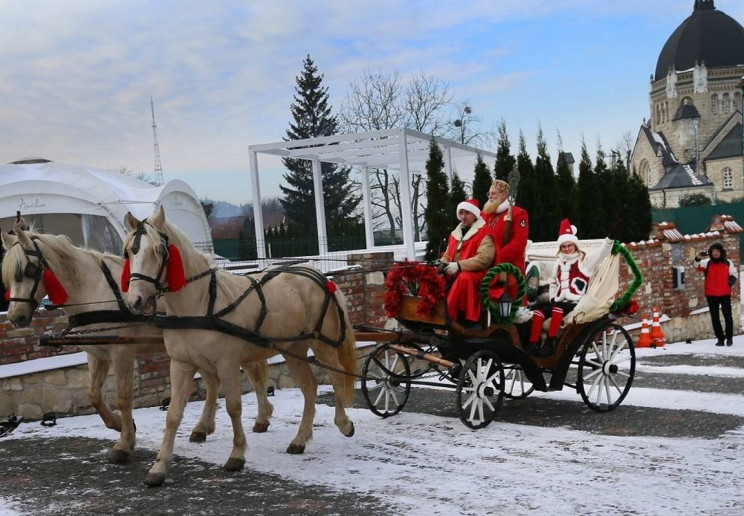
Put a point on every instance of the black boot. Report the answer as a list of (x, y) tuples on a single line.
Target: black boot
[(720, 342), (729, 341)]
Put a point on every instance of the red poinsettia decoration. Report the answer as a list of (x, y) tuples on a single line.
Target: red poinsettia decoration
[(631, 307), (411, 278)]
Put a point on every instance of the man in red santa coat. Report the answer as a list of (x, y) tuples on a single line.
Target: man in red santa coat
[(469, 254), (509, 226)]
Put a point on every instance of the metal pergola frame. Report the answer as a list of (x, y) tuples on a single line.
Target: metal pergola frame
[(388, 149)]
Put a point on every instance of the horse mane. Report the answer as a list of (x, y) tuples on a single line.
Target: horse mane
[(192, 258), (61, 245)]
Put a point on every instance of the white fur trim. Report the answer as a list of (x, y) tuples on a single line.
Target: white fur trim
[(568, 238), (465, 205)]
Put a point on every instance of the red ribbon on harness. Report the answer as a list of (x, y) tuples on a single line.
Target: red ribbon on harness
[(56, 292), (126, 272), (176, 276), (331, 287), (7, 295)]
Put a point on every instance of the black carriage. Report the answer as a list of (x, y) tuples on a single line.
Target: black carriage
[(594, 355)]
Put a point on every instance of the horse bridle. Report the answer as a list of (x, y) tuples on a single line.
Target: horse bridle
[(31, 271), (163, 252)]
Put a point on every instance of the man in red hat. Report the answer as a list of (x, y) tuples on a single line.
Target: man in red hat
[(571, 274), (469, 254), (509, 226)]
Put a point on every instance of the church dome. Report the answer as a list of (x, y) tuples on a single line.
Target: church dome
[(708, 37)]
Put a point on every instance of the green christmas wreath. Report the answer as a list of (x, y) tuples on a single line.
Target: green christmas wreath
[(493, 306)]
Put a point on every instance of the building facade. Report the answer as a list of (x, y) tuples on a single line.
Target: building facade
[(692, 141)]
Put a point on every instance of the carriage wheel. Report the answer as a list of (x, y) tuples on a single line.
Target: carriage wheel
[(606, 368), (516, 384), (386, 381), (480, 389)]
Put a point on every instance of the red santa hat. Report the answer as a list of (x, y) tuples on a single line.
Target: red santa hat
[(470, 205), (567, 233)]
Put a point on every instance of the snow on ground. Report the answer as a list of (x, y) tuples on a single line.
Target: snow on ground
[(428, 464)]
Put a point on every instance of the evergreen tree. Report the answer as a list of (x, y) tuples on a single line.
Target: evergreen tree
[(457, 195), (481, 181), (436, 215), (504, 160), (587, 195), (608, 204), (641, 218), (527, 194), (312, 118), (566, 189), (546, 214)]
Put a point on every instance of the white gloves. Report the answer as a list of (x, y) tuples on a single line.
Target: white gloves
[(451, 268)]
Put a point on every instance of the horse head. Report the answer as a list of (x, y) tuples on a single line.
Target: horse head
[(153, 265), (27, 278)]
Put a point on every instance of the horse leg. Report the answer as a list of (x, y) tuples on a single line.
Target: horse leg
[(258, 373), (123, 372), (304, 376), (230, 380), (97, 371), (328, 356), (182, 376), (205, 425)]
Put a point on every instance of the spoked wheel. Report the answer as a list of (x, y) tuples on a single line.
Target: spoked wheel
[(516, 384), (606, 368), (480, 389), (386, 381)]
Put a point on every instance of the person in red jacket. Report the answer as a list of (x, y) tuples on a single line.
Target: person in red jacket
[(509, 226), (510, 238), (468, 256), (720, 276)]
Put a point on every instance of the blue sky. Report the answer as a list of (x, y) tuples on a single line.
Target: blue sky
[(78, 76)]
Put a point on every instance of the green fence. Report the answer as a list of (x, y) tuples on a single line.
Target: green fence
[(696, 219)]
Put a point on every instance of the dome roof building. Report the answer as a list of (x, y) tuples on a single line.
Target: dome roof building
[(687, 145)]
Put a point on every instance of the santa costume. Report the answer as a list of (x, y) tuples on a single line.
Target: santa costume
[(568, 283), (471, 249)]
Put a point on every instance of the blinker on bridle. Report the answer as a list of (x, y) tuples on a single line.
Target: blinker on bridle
[(31, 271), (136, 242)]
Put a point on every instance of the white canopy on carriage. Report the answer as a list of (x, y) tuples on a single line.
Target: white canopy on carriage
[(89, 204)]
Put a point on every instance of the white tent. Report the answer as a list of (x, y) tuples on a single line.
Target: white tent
[(89, 204)]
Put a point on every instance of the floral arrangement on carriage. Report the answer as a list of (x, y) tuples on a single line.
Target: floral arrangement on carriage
[(415, 291)]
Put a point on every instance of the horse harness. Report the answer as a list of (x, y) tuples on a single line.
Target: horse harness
[(215, 321), (34, 271), (31, 271)]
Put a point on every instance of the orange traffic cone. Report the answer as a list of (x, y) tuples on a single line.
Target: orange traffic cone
[(644, 341), (657, 336)]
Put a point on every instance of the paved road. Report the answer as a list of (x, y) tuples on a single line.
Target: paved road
[(70, 475)]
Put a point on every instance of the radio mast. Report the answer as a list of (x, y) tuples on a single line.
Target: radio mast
[(156, 148)]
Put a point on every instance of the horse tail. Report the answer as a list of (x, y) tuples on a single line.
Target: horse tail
[(347, 353)]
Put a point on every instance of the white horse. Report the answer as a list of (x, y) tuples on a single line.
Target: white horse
[(261, 315), (36, 263)]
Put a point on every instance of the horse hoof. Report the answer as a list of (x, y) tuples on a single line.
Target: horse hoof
[(260, 428), (296, 449), (154, 479), (198, 437), (234, 464), (119, 457), (350, 433)]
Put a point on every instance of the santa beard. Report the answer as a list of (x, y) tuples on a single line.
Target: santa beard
[(491, 207)]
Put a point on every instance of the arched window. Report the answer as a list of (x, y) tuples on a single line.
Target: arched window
[(726, 107), (737, 100), (645, 173), (728, 179), (714, 103)]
